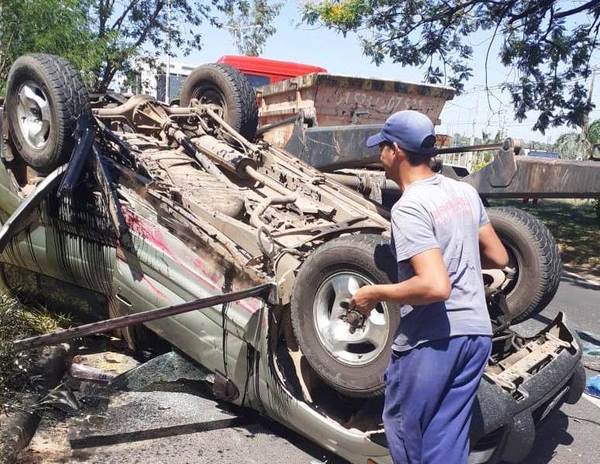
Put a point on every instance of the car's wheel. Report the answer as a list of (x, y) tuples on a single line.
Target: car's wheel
[(229, 90), (352, 362), (534, 255), (44, 99)]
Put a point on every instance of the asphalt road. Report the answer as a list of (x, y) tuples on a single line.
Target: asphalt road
[(570, 436), (578, 299)]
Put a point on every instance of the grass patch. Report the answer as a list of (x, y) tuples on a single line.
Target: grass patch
[(575, 225), (18, 321)]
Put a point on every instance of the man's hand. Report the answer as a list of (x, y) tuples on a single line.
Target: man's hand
[(364, 300)]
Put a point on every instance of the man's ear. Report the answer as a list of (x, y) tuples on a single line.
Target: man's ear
[(397, 150)]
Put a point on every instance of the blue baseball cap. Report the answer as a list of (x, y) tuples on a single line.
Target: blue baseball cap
[(411, 130)]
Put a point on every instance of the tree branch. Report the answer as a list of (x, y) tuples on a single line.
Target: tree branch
[(142, 38), (544, 5), (101, 18), (487, 53), (119, 21), (585, 6), (110, 70)]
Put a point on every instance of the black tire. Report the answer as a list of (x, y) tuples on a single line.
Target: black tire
[(537, 258), (56, 84), (228, 88), (365, 255)]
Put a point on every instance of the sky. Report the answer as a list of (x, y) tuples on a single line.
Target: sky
[(468, 114)]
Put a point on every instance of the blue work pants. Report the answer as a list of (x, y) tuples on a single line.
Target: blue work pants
[(429, 395)]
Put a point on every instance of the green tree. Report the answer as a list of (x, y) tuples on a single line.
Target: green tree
[(103, 37), (49, 26), (459, 140), (536, 145), (573, 145), (548, 42), (251, 24), (147, 29)]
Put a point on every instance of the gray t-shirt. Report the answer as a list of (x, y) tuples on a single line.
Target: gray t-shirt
[(439, 212)]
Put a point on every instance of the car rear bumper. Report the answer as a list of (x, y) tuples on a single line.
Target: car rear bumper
[(507, 413)]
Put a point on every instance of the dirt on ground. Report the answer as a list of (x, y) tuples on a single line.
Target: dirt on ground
[(49, 445)]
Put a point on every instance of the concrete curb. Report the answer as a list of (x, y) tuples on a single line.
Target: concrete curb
[(19, 427)]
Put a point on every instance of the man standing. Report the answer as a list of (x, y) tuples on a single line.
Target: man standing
[(440, 236)]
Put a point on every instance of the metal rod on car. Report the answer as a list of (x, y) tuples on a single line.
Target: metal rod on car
[(489, 146), (505, 145), (138, 318)]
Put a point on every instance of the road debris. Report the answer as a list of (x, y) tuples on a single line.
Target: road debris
[(592, 387), (83, 372), (590, 345), (164, 369), (101, 367)]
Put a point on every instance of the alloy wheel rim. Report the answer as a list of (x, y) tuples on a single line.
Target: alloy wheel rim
[(366, 343), (33, 114)]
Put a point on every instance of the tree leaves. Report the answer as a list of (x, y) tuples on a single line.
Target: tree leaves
[(103, 37), (49, 26), (550, 53), (251, 23), (135, 27)]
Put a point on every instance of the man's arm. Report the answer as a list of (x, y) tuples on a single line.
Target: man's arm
[(430, 284), (493, 253)]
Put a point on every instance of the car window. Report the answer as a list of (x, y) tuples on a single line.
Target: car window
[(257, 81)]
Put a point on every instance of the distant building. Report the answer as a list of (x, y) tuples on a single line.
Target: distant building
[(152, 81)]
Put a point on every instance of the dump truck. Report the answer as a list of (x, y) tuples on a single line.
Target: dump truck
[(324, 119)]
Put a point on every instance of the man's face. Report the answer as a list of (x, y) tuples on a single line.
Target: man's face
[(388, 158)]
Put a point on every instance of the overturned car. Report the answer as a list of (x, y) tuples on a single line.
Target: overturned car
[(126, 204)]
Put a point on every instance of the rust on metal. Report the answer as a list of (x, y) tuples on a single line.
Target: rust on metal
[(540, 178), (330, 100)]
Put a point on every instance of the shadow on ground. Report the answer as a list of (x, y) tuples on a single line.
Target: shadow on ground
[(580, 282), (550, 435), (320, 454)]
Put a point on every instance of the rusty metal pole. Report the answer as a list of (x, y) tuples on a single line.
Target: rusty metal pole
[(138, 318)]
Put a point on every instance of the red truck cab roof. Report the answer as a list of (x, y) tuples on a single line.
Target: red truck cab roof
[(262, 71)]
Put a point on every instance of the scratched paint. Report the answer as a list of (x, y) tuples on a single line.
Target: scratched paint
[(153, 288), (207, 270), (339, 106), (201, 268), (146, 230), (250, 304)]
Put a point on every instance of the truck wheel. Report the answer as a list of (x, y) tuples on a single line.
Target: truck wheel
[(227, 88), (353, 363), (535, 256), (44, 99)]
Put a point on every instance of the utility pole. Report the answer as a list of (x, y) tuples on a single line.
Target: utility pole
[(586, 121), (168, 73), (469, 156)]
